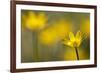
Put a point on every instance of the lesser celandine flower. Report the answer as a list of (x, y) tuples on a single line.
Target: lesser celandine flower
[(33, 21), (74, 41)]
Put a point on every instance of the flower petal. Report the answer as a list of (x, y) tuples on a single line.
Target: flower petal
[(78, 35), (78, 38), (70, 44), (72, 37)]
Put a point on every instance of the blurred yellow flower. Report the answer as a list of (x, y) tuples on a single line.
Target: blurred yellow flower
[(74, 41), (47, 36), (85, 27), (62, 28), (54, 33), (34, 21)]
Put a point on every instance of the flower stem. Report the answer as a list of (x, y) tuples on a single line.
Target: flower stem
[(35, 46), (77, 53)]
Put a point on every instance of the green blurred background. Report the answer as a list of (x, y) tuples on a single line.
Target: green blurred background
[(54, 50)]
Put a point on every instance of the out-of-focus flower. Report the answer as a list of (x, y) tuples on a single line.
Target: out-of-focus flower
[(85, 27), (33, 21), (47, 36), (74, 41), (54, 33), (62, 28)]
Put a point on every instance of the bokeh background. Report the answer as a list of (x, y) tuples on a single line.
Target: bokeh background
[(46, 44)]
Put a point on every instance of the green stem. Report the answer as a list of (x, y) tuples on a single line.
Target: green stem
[(77, 53), (35, 46)]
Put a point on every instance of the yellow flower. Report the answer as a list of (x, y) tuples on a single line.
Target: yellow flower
[(33, 21), (47, 37), (74, 41), (62, 27), (56, 32), (85, 27)]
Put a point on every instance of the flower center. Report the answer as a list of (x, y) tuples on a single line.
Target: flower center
[(75, 44)]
